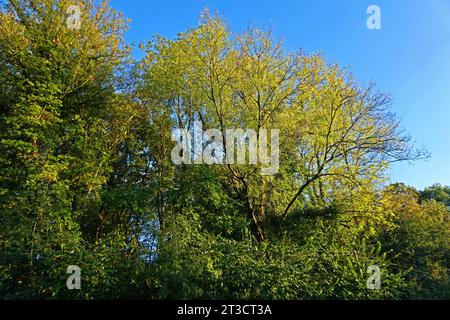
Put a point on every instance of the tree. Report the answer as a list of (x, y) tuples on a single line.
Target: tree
[(62, 122), (437, 192), (336, 137), (418, 243)]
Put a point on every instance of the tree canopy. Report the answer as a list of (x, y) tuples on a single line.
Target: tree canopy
[(86, 176)]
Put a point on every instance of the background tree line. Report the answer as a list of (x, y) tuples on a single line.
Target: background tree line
[(86, 177)]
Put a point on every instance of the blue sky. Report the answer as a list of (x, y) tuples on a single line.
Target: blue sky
[(409, 58)]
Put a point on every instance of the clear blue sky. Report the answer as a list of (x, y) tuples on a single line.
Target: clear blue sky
[(409, 58)]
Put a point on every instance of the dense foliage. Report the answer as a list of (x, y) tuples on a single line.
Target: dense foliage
[(86, 176)]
